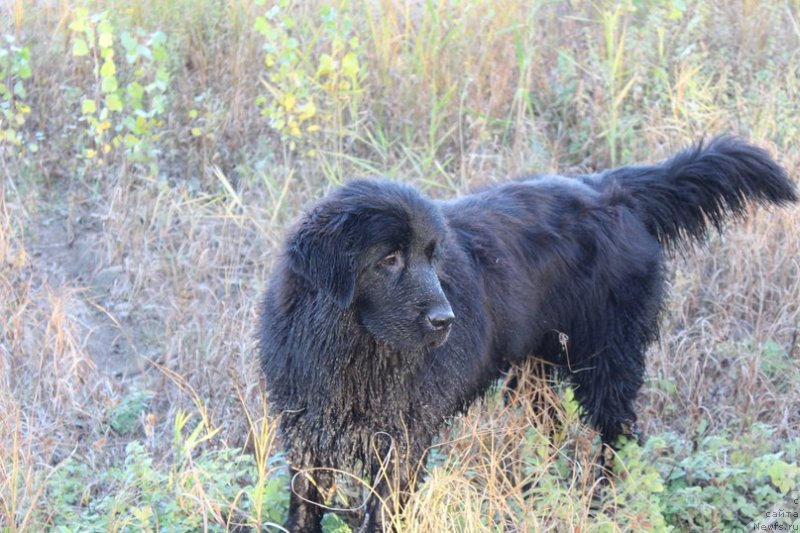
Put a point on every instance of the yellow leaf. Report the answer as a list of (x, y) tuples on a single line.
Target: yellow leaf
[(90, 153), (289, 101), (80, 48), (105, 40), (113, 102), (108, 69), (312, 129), (88, 106), (21, 258), (350, 65)]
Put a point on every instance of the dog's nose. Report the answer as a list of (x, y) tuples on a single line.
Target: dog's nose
[(441, 317)]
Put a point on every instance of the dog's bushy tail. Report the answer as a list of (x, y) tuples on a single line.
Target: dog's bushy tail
[(701, 185)]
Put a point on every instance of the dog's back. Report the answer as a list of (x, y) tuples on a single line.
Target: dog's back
[(573, 267)]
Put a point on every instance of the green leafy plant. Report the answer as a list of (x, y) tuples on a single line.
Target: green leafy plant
[(313, 77), (124, 417), (15, 68), (199, 489), (725, 483), (638, 494), (124, 111)]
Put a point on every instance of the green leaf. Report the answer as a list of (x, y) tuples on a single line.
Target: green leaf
[(135, 91), (24, 71), (129, 43), (160, 53), (162, 78), (113, 102), (335, 524), (261, 25), (326, 66), (79, 24), (19, 90), (677, 9), (12, 137), (88, 107), (131, 141), (104, 26), (109, 85), (79, 48), (158, 104), (124, 418), (108, 70), (783, 475)]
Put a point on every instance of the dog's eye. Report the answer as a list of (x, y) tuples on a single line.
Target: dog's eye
[(393, 261)]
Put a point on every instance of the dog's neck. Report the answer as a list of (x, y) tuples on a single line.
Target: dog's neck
[(373, 360)]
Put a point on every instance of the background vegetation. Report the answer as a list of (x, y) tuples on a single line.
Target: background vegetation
[(153, 152)]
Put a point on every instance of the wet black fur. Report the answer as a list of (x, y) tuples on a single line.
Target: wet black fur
[(352, 364)]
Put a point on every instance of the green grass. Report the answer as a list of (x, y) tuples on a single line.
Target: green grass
[(153, 153)]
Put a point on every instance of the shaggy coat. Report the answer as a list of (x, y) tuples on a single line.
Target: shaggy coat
[(389, 312)]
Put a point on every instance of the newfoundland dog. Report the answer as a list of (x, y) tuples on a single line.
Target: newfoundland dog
[(389, 312)]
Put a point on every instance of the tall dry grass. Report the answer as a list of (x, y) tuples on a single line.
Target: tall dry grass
[(144, 278)]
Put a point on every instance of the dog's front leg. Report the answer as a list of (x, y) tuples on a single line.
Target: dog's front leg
[(309, 488), (394, 476), (388, 499)]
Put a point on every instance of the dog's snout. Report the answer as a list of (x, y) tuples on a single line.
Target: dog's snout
[(441, 317)]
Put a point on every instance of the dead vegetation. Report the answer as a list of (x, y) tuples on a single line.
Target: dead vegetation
[(129, 285)]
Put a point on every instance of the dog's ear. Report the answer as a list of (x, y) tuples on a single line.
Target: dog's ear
[(320, 251)]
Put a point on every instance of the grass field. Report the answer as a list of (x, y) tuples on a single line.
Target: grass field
[(153, 152)]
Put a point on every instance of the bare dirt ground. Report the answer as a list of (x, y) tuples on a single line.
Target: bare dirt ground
[(64, 247)]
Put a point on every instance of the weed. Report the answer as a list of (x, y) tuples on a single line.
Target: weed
[(121, 115), (725, 483), (15, 69), (313, 74)]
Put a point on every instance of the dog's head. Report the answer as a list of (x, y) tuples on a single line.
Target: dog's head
[(374, 247)]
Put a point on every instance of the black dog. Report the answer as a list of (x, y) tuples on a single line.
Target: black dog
[(389, 312)]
